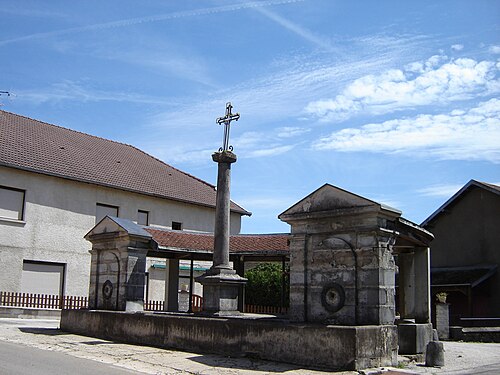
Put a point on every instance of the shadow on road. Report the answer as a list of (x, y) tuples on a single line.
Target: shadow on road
[(244, 363), (43, 331)]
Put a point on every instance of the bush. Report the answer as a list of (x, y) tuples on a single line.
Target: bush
[(264, 285)]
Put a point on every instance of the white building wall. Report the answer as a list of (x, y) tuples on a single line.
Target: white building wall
[(59, 212)]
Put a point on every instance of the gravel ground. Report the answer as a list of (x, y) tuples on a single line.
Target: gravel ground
[(460, 358)]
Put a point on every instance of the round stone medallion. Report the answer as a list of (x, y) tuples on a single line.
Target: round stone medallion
[(107, 289), (333, 297)]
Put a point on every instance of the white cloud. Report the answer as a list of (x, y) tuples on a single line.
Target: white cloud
[(272, 151), (440, 190), (420, 83), (457, 47), (472, 135), (291, 131), (494, 49)]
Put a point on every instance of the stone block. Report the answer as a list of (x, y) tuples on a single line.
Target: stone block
[(413, 338)]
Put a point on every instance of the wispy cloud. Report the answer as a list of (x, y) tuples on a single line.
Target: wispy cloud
[(148, 19), (296, 29), (494, 49), (458, 135), (457, 47), (70, 90), (446, 190), (419, 84)]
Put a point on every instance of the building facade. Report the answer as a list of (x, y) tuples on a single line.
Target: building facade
[(465, 254), (56, 184)]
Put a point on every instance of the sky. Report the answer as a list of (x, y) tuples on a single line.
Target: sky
[(396, 101)]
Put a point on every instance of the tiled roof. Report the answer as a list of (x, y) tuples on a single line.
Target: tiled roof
[(240, 243), (44, 148)]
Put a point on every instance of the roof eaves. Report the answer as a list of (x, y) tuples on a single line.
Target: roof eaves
[(454, 197), (241, 210)]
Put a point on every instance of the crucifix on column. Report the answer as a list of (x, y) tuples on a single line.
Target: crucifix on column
[(226, 120), (221, 284)]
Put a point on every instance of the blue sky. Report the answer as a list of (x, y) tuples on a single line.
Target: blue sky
[(396, 101)]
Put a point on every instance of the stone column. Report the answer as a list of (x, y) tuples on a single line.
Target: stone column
[(221, 284), (172, 285), (422, 285), (224, 160), (407, 285)]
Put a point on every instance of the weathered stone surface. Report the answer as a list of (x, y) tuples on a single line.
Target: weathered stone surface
[(434, 354), (329, 347), (443, 320), (413, 338), (118, 266)]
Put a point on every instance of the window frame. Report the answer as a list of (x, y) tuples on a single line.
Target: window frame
[(21, 217), (147, 217), (176, 224), (107, 206)]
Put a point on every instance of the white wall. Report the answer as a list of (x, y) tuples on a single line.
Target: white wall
[(59, 212)]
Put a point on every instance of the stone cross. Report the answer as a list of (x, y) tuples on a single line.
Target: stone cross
[(226, 120), (221, 284)]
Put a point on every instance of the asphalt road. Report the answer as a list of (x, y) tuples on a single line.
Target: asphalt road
[(16, 359)]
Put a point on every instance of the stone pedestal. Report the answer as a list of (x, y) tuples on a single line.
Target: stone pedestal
[(221, 284), (413, 337), (220, 293), (443, 320)]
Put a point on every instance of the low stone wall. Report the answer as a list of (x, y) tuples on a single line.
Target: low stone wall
[(310, 345), (28, 313), (475, 334)]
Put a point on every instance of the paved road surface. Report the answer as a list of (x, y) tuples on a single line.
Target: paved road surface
[(44, 335), (17, 359)]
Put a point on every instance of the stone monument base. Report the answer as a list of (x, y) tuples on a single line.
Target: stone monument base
[(335, 348), (414, 337), (220, 292)]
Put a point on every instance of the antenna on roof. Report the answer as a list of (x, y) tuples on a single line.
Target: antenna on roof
[(4, 93)]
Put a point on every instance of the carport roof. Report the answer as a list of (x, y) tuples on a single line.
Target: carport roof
[(240, 244)]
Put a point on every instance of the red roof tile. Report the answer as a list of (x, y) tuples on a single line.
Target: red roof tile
[(205, 241), (44, 148)]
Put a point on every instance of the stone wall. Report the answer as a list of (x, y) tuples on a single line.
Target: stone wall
[(311, 345)]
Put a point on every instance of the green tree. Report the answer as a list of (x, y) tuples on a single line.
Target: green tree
[(264, 285)]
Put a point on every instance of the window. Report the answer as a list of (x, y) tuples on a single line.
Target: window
[(176, 225), (105, 210), (11, 203), (142, 217)]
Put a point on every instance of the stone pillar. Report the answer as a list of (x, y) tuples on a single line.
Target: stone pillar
[(443, 320), (422, 305), (406, 285), (172, 285), (299, 278), (221, 284), (118, 265)]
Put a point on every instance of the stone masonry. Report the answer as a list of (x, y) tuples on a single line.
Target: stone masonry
[(118, 265), (342, 268)]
